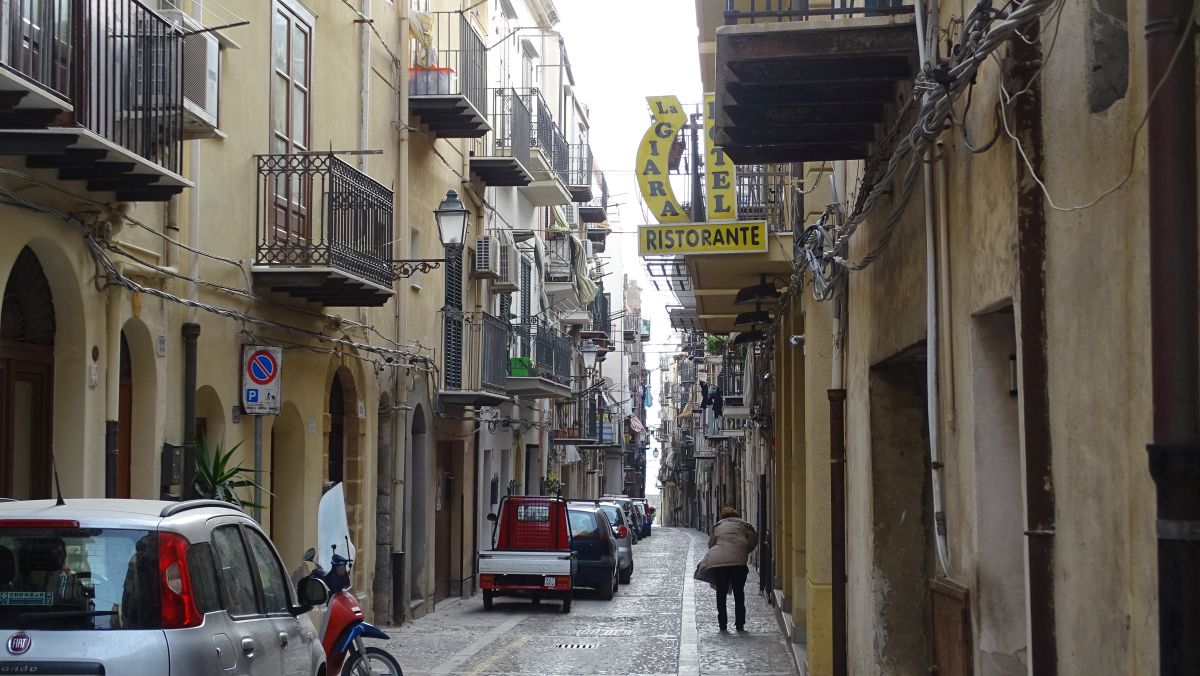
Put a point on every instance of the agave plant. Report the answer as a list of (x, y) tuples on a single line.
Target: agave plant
[(217, 479)]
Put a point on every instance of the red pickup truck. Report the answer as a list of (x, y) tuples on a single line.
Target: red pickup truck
[(531, 553)]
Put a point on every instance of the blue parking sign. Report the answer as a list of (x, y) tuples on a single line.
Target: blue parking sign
[(252, 394)]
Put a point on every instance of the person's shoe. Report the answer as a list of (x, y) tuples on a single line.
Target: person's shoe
[(723, 628), (741, 628)]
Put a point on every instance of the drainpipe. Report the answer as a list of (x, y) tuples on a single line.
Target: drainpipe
[(1174, 452), (191, 329), (1033, 361), (933, 406), (837, 502), (112, 390), (191, 332)]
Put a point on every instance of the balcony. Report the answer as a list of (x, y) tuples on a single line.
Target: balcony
[(579, 172), (732, 382), (600, 327), (595, 208), (505, 159), (541, 141), (475, 368), (93, 90), (324, 231), (808, 84), (540, 363), (549, 189), (447, 85), (576, 421), (559, 283)]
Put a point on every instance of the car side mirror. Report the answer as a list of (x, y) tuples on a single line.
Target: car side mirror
[(311, 592), (310, 554), (491, 517)]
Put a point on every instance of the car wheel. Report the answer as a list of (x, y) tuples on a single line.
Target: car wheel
[(566, 607), (626, 575), (537, 601), (487, 599), (607, 592)]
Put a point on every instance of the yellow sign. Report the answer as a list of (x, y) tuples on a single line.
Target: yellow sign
[(652, 159), (721, 197), (702, 238)]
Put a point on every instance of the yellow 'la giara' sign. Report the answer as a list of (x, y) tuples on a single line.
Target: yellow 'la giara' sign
[(702, 238)]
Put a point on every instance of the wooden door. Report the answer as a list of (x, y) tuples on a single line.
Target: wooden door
[(952, 652), (26, 428)]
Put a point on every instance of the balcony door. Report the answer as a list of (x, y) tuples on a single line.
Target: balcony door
[(291, 127)]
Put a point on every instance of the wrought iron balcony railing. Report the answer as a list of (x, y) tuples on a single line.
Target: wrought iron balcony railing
[(544, 350), (562, 156), (476, 356), (512, 125), (453, 63), (314, 210), (116, 62), (580, 165), (576, 419), (543, 123), (731, 381), (774, 11)]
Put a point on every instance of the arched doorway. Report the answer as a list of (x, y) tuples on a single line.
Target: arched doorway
[(27, 331), (418, 489)]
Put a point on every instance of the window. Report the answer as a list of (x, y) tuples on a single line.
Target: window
[(291, 58), (271, 577), (241, 597), (79, 578), (584, 524), (290, 108), (203, 571), (533, 512)]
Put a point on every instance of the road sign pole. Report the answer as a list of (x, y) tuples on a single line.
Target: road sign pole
[(258, 468)]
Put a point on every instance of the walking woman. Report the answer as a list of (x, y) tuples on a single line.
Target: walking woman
[(730, 544)]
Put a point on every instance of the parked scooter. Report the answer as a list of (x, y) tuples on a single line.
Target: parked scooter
[(344, 626)]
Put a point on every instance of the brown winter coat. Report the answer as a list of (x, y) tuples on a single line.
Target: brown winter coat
[(731, 542)]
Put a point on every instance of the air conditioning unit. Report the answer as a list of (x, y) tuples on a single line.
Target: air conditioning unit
[(588, 250), (201, 75), (509, 263), (486, 258)]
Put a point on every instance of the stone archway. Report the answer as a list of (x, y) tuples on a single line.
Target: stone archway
[(137, 410), (28, 326), (344, 455)]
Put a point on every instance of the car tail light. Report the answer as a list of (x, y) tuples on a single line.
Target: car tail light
[(487, 581), (562, 582), (622, 532), (178, 605)]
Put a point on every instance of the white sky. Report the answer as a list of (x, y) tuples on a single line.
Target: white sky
[(622, 51)]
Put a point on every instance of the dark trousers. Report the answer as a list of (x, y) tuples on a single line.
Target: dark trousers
[(726, 578)]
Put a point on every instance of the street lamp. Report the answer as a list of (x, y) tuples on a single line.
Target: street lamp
[(451, 217), (588, 350)]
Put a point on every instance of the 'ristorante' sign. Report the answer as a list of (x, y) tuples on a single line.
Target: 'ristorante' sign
[(702, 238)]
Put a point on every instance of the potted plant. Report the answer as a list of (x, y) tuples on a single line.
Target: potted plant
[(714, 345), (218, 479)]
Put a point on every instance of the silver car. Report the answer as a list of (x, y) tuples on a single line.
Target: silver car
[(148, 587), (618, 519)]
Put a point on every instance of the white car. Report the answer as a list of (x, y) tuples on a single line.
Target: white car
[(148, 587)]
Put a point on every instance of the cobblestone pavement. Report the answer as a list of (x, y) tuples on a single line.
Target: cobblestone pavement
[(663, 622)]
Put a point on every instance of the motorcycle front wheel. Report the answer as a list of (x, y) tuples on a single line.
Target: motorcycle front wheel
[(371, 661)]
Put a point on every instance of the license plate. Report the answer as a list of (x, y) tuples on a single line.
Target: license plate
[(549, 581)]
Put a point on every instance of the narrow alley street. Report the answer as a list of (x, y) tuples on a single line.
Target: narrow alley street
[(663, 622)]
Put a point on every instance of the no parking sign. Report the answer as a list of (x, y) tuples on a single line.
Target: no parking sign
[(260, 379)]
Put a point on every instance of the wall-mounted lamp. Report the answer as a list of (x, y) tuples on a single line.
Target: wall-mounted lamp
[(588, 351), (451, 217)]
